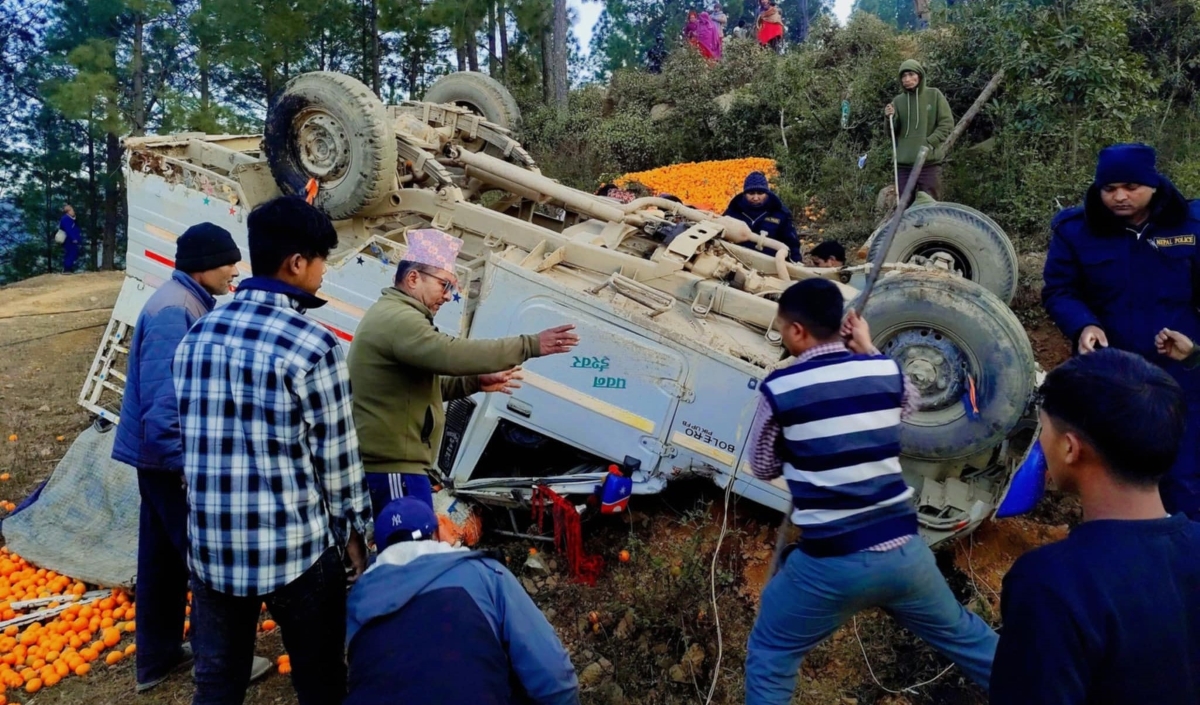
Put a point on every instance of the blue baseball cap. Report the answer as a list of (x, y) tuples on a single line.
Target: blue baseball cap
[(404, 519)]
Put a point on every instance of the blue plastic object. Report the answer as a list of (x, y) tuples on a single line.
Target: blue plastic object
[(1027, 486)]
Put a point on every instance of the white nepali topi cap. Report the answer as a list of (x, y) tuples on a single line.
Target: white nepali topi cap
[(433, 248)]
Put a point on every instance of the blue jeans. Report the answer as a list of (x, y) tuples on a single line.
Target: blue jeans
[(812, 597), (386, 486), (311, 611), (162, 577)]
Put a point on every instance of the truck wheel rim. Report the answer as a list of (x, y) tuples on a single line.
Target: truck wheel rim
[(937, 366), (324, 147)]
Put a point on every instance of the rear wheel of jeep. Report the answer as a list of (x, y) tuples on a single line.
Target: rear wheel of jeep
[(481, 94), (331, 127), (969, 242), (951, 336)]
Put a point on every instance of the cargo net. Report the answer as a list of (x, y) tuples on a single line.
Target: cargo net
[(568, 534)]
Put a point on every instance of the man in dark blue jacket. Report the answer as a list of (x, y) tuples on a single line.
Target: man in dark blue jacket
[(1121, 268), (431, 623), (148, 438), (759, 207), (1111, 615)]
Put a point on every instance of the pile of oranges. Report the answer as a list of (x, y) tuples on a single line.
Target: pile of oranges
[(38, 655), (705, 185)]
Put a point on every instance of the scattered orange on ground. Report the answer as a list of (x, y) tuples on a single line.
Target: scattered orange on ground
[(12, 438), (42, 654), (285, 667), (5, 476), (624, 556), (705, 185), (268, 625)]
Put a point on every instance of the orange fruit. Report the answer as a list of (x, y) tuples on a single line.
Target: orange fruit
[(130, 626), (33, 685), (285, 667), (107, 603), (113, 657), (112, 635), (51, 679), (624, 556), (284, 659), (88, 654), (106, 622), (82, 669), (268, 625)]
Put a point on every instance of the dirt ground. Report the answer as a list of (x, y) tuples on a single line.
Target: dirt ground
[(645, 634)]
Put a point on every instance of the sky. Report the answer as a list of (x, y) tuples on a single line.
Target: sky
[(589, 14)]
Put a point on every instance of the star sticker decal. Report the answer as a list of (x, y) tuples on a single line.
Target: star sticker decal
[(232, 210), (358, 260), (457, 298), (206, 200)]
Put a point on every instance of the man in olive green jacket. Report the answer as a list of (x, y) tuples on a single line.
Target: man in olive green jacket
[(402, 369), (923, 119)]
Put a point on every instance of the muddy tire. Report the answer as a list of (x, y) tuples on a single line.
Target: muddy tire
[(980, 249), (941, 329), (478, 93), (331, 127)]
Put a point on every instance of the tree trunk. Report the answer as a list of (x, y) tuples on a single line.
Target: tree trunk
[(205, 69), (375, 47), (462, 57), (472, 53), (547, 95), (112, 197), (561, 80), (137, 70), (502, 11), (492, 59), (49, 213), (93, 206), (414, 72), (364, 51)]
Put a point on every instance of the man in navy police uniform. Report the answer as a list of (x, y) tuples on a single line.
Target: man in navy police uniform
[(1122, 267)]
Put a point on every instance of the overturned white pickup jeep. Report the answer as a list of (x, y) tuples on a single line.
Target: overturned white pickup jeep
[(674, 306)]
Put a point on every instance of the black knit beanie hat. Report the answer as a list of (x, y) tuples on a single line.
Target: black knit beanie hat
[(205, 246)]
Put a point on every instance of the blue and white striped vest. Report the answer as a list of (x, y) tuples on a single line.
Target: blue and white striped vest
[(840, 446)]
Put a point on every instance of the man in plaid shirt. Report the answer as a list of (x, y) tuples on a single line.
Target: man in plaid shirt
[(276, 489)]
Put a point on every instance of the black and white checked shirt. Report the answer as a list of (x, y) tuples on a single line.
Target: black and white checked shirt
[(270, 454)]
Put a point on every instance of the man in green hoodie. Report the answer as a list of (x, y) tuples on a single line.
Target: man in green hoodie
[(402, 369), (923, 119)]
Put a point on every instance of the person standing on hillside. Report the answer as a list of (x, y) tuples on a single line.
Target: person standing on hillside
[(148, 438), (73, 239), (1121, 268), (403, 369), (277, 501), (922, 119), (1111, 614), (769, 27), (829, 424), (760, 208)]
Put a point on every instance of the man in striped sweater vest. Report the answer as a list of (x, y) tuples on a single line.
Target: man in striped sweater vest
[(829, 423)]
